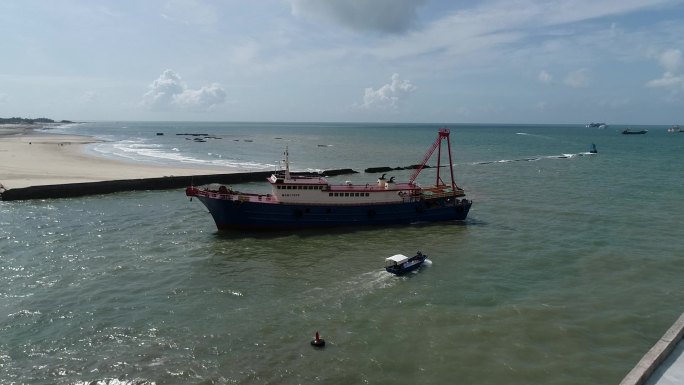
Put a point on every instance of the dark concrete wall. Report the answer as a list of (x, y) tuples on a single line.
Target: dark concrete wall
[(164, 183)]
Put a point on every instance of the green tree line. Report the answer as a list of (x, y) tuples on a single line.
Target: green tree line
[(15, 120)]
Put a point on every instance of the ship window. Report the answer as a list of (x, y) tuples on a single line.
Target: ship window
[(356, 194), (346, 194), (335, 194), (367, 194), (330, 194)]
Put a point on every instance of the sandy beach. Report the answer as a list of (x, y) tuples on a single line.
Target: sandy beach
[(30, 158)]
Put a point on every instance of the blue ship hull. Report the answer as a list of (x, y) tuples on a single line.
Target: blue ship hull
[(246, 215)]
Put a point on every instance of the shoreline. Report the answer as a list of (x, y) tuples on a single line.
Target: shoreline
[(29, 158), (39, 165)]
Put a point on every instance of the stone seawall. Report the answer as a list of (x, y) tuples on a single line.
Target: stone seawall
[(71, 190)]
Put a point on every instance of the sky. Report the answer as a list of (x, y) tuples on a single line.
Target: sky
[(405, 61)]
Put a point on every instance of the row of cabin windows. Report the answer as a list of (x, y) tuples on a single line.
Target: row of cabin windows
[(299, 187), (348, 194)]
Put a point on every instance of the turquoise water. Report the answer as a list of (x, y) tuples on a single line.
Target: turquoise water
[(567, 270)]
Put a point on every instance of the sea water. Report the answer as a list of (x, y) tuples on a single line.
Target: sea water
[(567, 270)]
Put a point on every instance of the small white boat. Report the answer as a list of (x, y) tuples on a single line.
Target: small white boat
[(400, 264)]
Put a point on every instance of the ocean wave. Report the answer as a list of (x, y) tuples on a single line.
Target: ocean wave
[(24, 313), (116, 381), (534, 159), (138, 150), (534, 135)]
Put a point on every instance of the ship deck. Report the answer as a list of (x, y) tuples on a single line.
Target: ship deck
[(416, 193)]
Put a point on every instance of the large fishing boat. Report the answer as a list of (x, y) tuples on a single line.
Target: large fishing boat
[(310, 201)]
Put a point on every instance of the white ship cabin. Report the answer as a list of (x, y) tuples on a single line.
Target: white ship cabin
[(288, 188), (304, 189)]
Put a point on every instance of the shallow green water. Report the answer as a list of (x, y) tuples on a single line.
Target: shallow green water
[(567, 271)]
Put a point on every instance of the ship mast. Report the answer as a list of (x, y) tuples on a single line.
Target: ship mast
[(287, 164)]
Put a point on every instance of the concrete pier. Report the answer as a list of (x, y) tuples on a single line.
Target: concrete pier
[(664, 363), (70, 190)]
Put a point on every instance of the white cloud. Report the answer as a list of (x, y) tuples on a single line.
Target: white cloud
[(389, 16), (169, 92), (203, 98), (671, 60), (545, 77), (388, 95), (578, 78), (668, 80)]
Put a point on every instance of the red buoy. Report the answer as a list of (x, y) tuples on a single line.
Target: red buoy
[(318, 342)]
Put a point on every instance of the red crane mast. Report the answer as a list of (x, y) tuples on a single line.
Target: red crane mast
[(443, 134)]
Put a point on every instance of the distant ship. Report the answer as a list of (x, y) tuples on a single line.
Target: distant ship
[(305, 201), (597, 125), (675, 128), (630, 132)]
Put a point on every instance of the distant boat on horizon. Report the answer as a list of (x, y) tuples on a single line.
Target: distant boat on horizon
[(630, 132), (597, 125)]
